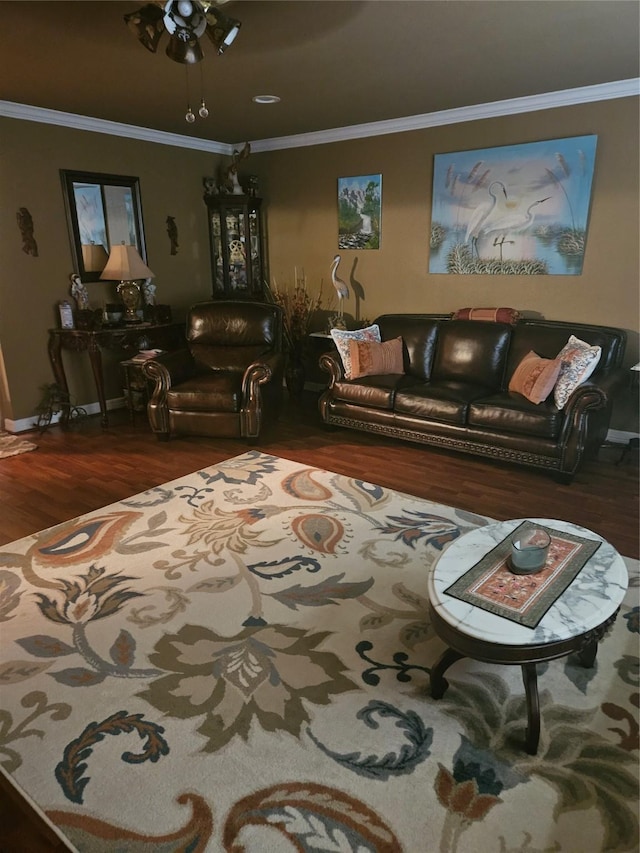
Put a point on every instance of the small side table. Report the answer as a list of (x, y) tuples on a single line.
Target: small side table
[(575, 623), (135, 386)]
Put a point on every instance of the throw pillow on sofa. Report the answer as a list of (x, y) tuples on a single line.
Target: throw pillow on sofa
[(341, 340), (579, 360), (496, 315), (535, 377), (369, 358)]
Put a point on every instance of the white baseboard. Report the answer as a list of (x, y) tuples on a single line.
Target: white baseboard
[(618, 436), (28, 424)]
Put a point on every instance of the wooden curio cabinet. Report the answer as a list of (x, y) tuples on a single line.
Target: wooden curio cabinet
[(237, 246)]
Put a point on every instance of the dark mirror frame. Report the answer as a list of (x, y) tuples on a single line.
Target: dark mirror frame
[(102, 183)]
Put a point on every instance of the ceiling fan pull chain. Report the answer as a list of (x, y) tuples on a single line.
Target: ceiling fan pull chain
[(190, 116), (203, 112)]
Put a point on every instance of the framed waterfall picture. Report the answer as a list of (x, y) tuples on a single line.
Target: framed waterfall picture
[(359, 210), (513, 210)]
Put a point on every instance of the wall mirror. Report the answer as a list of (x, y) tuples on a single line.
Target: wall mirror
[(102, 210)]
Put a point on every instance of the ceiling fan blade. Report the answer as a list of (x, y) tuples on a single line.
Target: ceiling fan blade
[(147, 25)]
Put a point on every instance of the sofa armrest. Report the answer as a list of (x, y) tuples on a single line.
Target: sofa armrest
[(599, 390), (258, 372), (167, 369), (332, 363)]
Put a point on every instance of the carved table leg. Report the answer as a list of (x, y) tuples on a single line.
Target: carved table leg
[(96, 366), (438, 683), (530, 678), (55, 357)]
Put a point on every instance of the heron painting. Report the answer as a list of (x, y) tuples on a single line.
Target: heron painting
[(513, 210)]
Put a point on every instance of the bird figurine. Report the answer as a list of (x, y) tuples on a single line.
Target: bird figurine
[(341, 287)]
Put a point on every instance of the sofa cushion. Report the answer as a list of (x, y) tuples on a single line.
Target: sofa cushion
[(548, 337), (419, 334), (511, 412), (439, 401), (207, 357), (579, 360), (369, 358), (472, 351), (373, 391), (535, 377), (219, 391), (341, 339)]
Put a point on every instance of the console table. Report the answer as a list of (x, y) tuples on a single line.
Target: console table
[(127, 339)]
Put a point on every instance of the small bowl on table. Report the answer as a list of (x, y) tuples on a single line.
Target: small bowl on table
[(529, 550)]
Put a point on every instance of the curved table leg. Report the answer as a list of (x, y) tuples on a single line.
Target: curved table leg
[(57, 365), (96, 366), (530, 679), (587, 655), (438, 683)]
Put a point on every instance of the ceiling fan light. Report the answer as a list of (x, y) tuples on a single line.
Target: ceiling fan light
[(146, 25), (221, 30), (184, 20), (185, 52)]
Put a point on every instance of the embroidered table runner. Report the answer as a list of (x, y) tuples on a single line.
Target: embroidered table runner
[(524, 599)]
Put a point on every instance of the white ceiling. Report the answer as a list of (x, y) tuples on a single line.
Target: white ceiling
[(334, 63)]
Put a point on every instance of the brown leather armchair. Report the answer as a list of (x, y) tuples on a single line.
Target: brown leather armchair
[(227, 382)]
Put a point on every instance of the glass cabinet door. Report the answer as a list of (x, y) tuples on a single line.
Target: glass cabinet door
[(236, 246)]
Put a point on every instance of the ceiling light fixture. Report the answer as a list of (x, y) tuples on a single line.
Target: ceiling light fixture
[(186, 22), (265, 99)]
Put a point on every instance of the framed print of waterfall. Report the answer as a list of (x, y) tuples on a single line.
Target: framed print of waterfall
[(513, 210), (359, 210)]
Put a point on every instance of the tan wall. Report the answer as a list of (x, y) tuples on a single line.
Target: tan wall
[(299, 186), (300, 192), (30, 287)]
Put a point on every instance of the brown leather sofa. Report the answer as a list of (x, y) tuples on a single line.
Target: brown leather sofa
[(227, 382), (454, 390)]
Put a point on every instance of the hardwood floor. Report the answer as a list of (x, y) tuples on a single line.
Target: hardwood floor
[(84, 468)]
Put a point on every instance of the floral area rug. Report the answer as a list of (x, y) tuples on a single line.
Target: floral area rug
[(239, 660), (12, 445)]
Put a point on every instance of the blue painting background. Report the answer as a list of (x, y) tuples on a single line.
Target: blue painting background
[(534, 220)]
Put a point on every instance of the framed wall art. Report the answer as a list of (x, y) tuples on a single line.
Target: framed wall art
[(513, 210), (359, 212)]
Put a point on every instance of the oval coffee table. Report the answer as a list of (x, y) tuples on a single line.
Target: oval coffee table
[(575, 622)]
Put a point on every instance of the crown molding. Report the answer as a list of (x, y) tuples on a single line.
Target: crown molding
[(494, 109), (112, 128)]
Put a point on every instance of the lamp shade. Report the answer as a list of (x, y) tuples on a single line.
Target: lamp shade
[(94, 257), (125, 264)]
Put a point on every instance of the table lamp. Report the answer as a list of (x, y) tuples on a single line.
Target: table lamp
[(125, 265)]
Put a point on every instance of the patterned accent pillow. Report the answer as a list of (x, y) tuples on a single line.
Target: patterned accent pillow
[(341, 340), (373, 359), (496, 315), (535, 377), (579, 360)]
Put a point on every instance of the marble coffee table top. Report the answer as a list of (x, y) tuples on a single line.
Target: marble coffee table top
[(588, 601)]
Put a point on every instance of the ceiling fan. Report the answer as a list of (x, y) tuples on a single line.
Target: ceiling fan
[(186, 21)]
